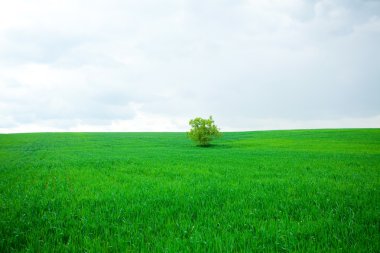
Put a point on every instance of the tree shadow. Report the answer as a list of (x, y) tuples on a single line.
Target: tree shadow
[(214, 146)]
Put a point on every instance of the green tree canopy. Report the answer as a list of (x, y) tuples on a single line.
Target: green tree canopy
[(203, 131)]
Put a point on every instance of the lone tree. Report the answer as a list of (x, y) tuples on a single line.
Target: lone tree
[(203, 131)]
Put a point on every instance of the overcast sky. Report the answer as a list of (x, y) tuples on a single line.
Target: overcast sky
[(148, 65)]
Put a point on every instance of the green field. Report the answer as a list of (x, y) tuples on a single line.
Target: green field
[(303, 190)]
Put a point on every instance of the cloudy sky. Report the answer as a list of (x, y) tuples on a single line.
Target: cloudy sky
[(148, 65)]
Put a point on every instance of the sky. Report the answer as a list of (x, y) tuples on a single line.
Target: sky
[(148, 65)]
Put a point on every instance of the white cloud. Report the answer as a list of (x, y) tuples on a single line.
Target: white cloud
[(277, 124), (85, 65)]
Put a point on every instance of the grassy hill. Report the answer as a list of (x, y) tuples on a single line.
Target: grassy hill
[(304, 190)]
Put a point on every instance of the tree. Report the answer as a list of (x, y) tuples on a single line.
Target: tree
[(203, 131)]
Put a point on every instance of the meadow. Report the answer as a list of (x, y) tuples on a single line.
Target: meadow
[(264, 191)]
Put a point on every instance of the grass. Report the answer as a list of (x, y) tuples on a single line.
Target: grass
[(305, 190)]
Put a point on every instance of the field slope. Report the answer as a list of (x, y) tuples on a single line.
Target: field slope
[(304, 190)]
